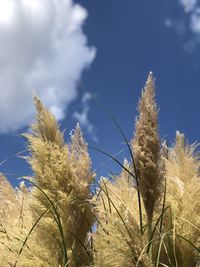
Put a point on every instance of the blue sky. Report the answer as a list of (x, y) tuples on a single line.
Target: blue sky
[(81, 56)]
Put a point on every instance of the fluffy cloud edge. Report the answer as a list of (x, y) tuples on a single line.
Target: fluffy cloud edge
[(46, 51)]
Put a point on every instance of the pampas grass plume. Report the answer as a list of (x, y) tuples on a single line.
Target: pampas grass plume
[(146, 148)]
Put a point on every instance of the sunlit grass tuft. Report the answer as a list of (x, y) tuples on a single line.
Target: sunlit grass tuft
[(146, 216)]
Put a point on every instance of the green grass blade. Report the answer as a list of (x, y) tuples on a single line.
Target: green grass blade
[(29, 233), (57, 216)]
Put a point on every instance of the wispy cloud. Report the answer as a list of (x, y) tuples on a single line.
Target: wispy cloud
[(188, 5), (192, 10), (43, 48), (195, 21), (188, 25), (83, 116)]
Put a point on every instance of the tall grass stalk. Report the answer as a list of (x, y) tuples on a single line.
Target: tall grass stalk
[(147, 215)]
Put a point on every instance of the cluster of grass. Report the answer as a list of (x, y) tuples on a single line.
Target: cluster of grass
[(147, 215)]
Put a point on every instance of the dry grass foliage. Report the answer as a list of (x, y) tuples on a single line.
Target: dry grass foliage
[(148, 215)]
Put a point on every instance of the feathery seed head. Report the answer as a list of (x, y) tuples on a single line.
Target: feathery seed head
[(146, 148), (118, 241), (183, 194), (63, 173)]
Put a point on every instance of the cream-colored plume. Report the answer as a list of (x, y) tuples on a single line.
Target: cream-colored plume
[(183, 195), (118, 241), (146, 148), (15, 221), (64, 174)]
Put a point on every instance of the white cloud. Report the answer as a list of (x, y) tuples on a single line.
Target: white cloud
[(192, 15), (188, 5), (195, 21), (187, 25), (43, 48), (82, 117)]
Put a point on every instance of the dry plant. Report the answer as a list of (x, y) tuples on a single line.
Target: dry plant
[(118, 241), (168, 181), (58, 201), (148, 215), (15, 221), (183, 197), (62, 179), (146, 149)]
